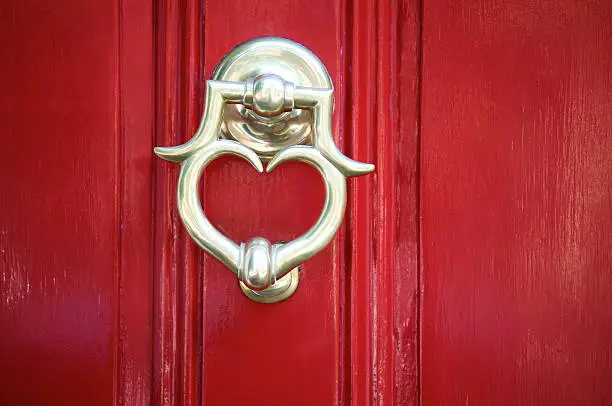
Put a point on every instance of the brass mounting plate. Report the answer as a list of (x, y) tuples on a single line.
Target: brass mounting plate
[(292, 62)]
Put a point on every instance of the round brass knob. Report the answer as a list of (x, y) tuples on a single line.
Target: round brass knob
[(269, 95)]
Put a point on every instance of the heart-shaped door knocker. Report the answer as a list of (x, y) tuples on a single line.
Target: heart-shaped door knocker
[(269, 99)]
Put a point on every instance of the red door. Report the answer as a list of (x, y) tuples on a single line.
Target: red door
[(516, 203), (473, 266)]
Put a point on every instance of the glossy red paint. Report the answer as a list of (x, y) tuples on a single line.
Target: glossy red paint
[(503, 149), (516, 199), (382, 220), (75, 240), (134, 98), (105, 299), (177, 270), (60, 228)]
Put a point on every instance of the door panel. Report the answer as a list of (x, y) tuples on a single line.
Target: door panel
[(348, 336), (75, 222), (332, 342), (516, 200), (59, 228)]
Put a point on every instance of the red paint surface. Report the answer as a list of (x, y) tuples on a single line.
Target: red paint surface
[(104, 298), (516, 198), (60, 221), (136, 309), (177, 270), (382, 213), (75, 222)]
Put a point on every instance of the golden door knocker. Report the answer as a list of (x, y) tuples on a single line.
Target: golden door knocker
[(270, 100)]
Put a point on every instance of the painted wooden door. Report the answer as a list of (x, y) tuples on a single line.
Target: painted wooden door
[(105, 299), (516, 203), (473, 267)]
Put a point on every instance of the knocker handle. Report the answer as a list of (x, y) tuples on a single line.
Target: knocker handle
[(266, 101)]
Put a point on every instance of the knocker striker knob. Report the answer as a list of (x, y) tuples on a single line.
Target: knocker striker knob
[(256, 264), (269, 95)]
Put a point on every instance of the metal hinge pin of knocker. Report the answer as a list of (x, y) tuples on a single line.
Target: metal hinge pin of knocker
[(270, 100)]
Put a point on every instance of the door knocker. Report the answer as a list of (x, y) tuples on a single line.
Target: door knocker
[(269, 100)]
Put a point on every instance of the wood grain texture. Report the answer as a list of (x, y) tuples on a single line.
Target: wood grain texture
[(517, 203)]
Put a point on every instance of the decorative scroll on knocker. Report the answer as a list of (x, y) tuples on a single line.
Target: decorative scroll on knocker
[(270, 100)]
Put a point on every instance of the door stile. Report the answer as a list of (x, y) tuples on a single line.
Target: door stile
[(178, 281), (134, 359), (383, 210)]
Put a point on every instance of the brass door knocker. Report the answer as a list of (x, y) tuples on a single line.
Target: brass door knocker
[(270, 100)]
